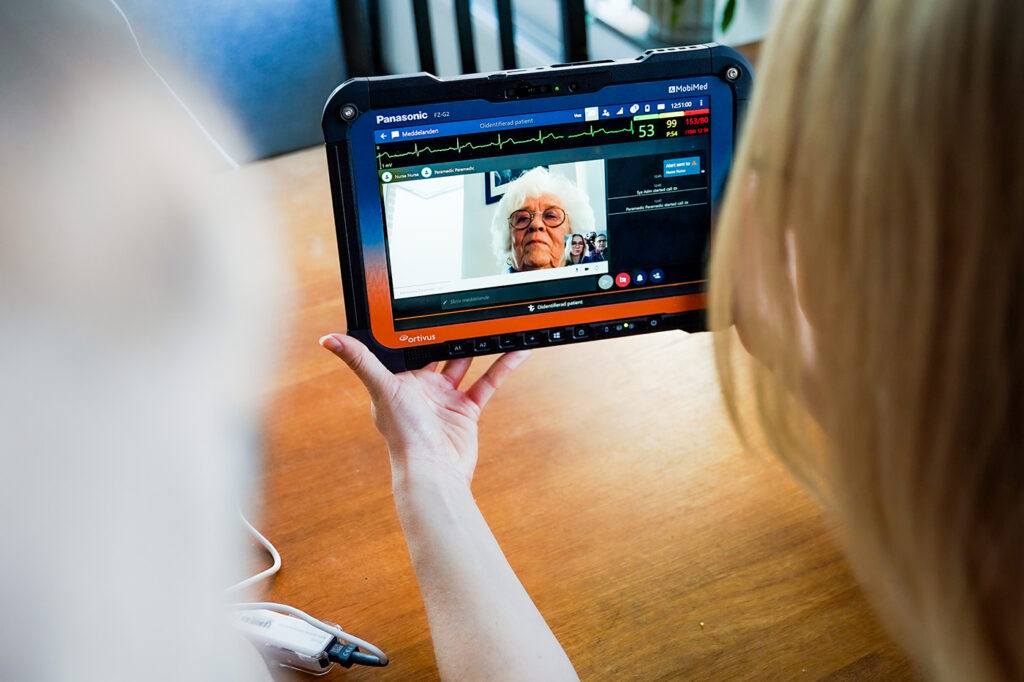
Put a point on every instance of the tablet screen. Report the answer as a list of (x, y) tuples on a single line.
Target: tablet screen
[(495, 211)]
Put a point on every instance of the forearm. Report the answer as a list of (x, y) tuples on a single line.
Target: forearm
[(483, 623)]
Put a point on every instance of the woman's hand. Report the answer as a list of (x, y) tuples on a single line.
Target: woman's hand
[(430, 425)]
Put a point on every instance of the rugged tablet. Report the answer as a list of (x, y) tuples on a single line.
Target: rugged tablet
[(531, 207)]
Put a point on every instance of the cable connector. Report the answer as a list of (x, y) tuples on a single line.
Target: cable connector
[(347, 654), (290, 642)]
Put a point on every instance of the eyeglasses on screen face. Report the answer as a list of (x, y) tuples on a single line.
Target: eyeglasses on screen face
[(522, 219)]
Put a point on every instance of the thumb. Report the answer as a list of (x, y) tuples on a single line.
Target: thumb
[(374, 375)]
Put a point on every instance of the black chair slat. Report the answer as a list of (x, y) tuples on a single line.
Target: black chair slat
[(424, 36), (574, 31), (507, 34), (356, 42), (464, 23), (376, 37)]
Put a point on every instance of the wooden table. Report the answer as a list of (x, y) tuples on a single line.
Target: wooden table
[(655, 547)]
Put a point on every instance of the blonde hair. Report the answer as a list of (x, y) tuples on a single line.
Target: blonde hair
[(871, 254)]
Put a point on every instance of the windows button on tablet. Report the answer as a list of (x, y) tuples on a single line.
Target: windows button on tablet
[(457, 348), (557, 335), (486, 344)]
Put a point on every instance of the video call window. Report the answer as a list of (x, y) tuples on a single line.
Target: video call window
[(497, 228)]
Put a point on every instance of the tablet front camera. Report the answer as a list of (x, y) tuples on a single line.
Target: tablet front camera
[(349, 112)]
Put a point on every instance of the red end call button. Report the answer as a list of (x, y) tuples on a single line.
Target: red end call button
[(622, 279)]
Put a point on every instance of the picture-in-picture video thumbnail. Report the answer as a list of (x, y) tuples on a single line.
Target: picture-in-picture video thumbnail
[(496, 228)]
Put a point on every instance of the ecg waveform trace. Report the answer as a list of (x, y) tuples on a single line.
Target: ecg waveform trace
[(500, 143)]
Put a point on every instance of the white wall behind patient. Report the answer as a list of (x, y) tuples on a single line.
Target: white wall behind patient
[(425, 226), (477, 257), (590, 177)]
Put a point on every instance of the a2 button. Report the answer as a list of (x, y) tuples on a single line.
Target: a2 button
[(486, 344)]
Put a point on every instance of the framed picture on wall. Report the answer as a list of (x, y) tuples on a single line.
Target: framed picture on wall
[(498, 181)]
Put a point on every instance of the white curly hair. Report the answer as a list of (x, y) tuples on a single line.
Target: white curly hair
[(534, 183)]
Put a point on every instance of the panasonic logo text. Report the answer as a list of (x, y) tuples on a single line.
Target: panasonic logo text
[(402, 118)]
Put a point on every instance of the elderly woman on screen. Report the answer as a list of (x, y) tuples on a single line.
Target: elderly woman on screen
[(533, 218)]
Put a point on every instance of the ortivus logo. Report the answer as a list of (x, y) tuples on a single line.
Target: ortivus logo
[(531, 307), (405, 338)]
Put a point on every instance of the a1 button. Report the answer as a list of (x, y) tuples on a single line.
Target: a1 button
[(457, 348)]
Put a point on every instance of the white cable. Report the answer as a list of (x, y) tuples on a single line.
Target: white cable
[(319, 624), (291, 610), (263, 575), (227, 157)]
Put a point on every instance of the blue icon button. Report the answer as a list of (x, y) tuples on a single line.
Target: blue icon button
[(640, 277), (657, 275)]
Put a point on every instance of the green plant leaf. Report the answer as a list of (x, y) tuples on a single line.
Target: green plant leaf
[(677, 5), (728, 14)]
